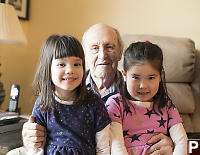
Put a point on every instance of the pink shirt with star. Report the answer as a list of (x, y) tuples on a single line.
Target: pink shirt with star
[(140, 123)]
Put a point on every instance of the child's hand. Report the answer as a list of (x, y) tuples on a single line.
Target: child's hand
[(162, 145), (33, 134)]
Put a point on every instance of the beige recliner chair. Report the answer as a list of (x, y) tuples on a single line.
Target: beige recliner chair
[(182, 69)]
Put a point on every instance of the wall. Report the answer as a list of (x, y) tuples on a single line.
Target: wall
[(172, 17), (179, 18)]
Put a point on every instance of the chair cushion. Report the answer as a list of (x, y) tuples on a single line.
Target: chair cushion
[(182, 96)]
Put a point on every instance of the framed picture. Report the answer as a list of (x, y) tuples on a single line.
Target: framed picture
[(21, 7)]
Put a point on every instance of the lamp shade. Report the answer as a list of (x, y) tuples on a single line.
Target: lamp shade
[(10, 29)]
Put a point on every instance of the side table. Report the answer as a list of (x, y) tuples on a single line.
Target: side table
[(12, 138)]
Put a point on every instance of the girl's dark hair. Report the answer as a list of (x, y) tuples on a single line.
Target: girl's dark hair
[(152, 53), (56, 46)]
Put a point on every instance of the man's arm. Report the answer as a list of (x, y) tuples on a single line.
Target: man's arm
[(103, 141), (33, 134), (162, 144)]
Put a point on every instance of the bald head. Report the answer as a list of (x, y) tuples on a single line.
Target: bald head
[(103, 29)]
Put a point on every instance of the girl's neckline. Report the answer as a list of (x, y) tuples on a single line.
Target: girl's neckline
[(142, 104), (62, 101)]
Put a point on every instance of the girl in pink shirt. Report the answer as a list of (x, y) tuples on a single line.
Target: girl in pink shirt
[(143, 108)]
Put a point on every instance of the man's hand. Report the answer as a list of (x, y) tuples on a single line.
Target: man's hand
[(162, 145), (33, 134)]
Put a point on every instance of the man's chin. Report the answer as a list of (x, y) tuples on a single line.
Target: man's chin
[(103, 73)]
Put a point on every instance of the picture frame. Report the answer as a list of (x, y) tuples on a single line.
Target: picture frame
[(21, 7)]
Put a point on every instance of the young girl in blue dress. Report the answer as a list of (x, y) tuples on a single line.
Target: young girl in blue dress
[(75, 119), (143, 108)]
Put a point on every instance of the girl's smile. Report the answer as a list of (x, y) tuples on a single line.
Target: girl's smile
[(69, 79), (143, 93)]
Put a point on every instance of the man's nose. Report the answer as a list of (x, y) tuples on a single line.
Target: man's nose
[(102, 53)]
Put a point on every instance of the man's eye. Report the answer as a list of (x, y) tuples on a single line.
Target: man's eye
[(95, 48), (110, 47)]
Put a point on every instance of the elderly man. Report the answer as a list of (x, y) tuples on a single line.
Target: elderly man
[(103, 49)]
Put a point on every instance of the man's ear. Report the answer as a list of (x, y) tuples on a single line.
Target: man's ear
[(120, 54), (123, 74)]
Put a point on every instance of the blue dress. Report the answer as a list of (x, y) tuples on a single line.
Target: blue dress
[(71, 129)]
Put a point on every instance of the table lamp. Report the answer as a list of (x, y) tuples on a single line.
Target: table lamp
[(10, 32)]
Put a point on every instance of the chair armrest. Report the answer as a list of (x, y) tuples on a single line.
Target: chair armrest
[(196, 89)]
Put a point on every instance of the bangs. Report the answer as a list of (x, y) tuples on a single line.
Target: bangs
[(143, 51), (66, 47)]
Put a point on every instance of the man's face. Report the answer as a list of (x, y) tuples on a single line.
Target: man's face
[(101, 51)]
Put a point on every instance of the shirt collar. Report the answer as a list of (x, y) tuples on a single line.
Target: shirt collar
[(88, 79), (112, 89)]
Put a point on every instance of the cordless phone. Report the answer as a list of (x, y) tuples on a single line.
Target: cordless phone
[(14, 95)]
